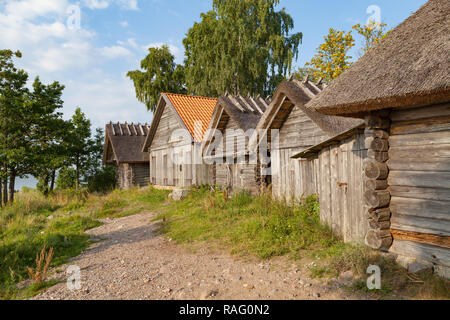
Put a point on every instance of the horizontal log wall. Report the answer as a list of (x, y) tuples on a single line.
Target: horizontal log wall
[(419, 182), (140, 174)]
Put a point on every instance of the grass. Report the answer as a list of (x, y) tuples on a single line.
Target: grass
[(243, 225), (258, 226), (265, 228), (59, 221)]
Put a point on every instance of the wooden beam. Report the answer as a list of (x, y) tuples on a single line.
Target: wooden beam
[(246, 104), (120, 128), (435, 240), (113, 130), (305, 89), (236, 103), (312, 84), (256, 105)]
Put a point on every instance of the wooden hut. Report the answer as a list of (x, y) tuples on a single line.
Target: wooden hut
[(123, 149), (298, 129), (402, 89), (174, 140), (226, 144)]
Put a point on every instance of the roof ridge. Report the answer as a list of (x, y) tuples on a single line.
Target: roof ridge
[(188, 96)]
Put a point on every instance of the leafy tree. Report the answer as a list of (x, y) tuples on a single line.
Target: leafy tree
[(103, 180), (13, 144), (240, 46), (99, 178), (372, 33), (331, 58), (66, 178), (161, 74), (48, 133), (79, 144)]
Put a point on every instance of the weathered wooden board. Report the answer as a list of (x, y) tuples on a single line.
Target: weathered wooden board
[(433, 254), (420, 193), (420, 179)]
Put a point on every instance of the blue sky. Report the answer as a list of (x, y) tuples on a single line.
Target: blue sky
[(92, 58)]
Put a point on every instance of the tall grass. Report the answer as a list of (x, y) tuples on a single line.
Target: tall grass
[(59, 221), (259, 225)]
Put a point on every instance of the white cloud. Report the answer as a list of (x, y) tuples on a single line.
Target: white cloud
[(123, 23), (96, 4), (106, 99), (103, 4), (29, 9), (115, 52)]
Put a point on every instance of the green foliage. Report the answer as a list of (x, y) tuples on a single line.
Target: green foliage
[(58, 221), (66, 178), (240, 47), (259, 225), (161, 74), (79, 144), (14, 147), (103, 180)]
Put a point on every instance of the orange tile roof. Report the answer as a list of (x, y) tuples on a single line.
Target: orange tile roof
[(192, 109)]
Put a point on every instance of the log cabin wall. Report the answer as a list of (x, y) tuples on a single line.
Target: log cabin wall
[(140, 174), (131, 175), (376, 196), (419, 183)]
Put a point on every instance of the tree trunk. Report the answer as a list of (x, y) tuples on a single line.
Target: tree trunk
[(5, 190), (77, 179), (12, 185), (46, 189), (1, 193), (52, 182)]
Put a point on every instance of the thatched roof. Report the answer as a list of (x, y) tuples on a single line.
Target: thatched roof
[(244, 111), (294, 93), (189, 109), (410, 67), (124, 142)]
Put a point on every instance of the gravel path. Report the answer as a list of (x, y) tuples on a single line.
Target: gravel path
[(133, 262)]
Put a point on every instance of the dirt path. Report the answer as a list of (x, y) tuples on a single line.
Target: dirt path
[(132, 262)]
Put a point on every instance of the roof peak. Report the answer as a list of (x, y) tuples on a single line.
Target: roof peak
[(186, 95)]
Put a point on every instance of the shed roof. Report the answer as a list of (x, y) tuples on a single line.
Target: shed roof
[(125, 141), (410, 67), (299, 93), (190, 109), (245, 111)]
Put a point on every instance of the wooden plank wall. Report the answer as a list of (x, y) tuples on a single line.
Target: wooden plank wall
[(236, 176), (165, 154), (419, 178), (340, 188)]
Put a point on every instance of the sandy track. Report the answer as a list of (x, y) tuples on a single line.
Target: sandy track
[(133, 262)]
